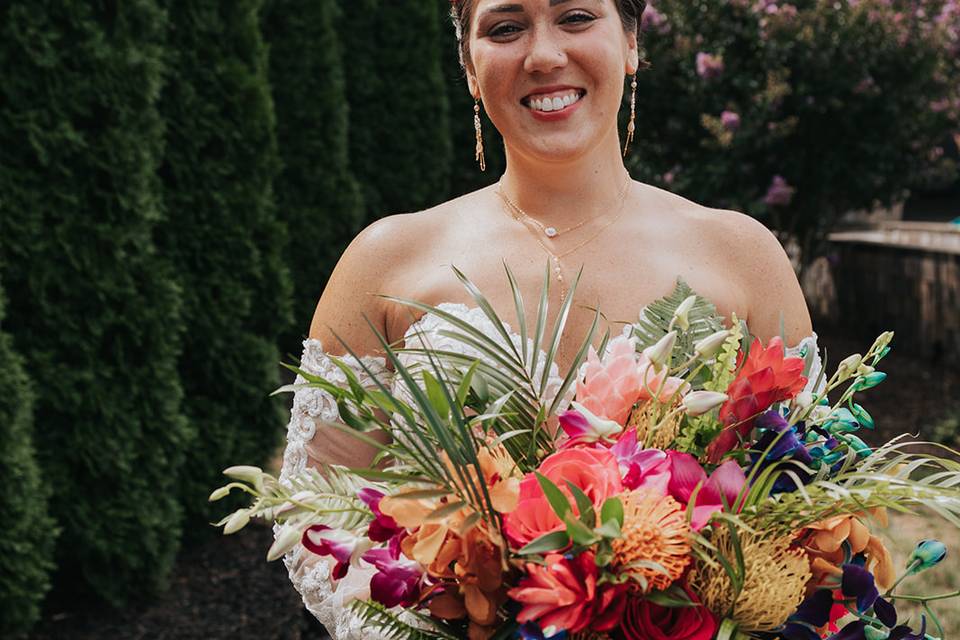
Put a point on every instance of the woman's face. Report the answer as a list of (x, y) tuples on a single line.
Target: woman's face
[(530, 58)]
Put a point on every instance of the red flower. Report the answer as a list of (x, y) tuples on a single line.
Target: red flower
[(562, 595), (765, 378), (644, 620)]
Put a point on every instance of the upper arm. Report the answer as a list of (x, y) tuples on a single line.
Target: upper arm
[(350, 295), (772, 289)]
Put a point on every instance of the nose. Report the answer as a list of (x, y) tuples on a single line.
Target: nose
[(546, 52)]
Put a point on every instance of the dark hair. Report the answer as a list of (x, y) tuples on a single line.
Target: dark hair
[(631, 12)]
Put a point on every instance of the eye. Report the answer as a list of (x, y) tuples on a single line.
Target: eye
[(578, 18), (503, 30)]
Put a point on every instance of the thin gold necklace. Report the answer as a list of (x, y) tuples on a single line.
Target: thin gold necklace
[(555, 257)]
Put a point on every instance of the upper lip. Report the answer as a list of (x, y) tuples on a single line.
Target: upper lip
[(551, 89)]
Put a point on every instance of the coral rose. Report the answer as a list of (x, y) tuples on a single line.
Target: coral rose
[(644, 620), (595, 471)]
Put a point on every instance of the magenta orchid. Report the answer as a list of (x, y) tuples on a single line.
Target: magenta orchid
[(641, 468), (345, 547), (383, 527), (397, 581), (721, 488), (583, 427)]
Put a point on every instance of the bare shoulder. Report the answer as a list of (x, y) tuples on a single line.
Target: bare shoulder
[(385, 252), (754, 257)]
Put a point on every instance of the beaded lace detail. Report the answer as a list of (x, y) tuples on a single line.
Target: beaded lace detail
[(328, 601)]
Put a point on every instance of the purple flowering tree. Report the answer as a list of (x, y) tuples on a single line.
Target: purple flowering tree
[(797, 112)]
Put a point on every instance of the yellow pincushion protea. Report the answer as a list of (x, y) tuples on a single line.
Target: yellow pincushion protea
[(773, 588), (654, 548), (657, 426)]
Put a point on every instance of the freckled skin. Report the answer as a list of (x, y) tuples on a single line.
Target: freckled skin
[(559, 173)]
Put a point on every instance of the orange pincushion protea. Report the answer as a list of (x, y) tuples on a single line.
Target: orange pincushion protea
[(654, 531)]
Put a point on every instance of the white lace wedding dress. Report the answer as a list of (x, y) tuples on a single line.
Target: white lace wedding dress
[(310, 573)]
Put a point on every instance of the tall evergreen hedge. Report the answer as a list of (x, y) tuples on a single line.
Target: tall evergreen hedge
[(223, 234), (400, 146), (28, 532), (92, 308), (317, 196)]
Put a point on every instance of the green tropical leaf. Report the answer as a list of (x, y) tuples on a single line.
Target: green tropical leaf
[(655, 319)]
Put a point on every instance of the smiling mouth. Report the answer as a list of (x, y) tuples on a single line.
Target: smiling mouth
[(554, 101)]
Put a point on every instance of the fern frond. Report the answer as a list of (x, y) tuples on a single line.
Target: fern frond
[(395, 628), (724, 368), (655, 318)]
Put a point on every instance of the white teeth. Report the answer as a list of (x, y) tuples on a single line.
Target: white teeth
[(554, 104)]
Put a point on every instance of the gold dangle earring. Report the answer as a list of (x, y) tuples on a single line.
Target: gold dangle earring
[(479, 129), (632, 125)]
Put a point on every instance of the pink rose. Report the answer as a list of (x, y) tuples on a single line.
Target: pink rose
[(594, 471)]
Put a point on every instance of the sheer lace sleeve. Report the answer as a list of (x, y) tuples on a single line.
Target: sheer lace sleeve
[(309, 572)]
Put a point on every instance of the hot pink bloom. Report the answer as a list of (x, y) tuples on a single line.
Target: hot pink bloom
[(647, 469), (582, 427), (594, 471), (722, 487), (383, 526), (563, 595), (345, 547), (730, 120), (611, 386), (397, 581)]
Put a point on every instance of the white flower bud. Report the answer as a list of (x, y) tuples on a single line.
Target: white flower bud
[(864, 369), (236, 522), (709, 346), (804, 399), (697, 403), (286, 539), (243, 473), (218, 494), (680, 315), (848, 365), (660, 353)]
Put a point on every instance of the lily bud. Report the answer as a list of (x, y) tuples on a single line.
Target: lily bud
[(236, 522), (864, 369), (286, 539), (709, 346), (697, 403), (660, 353), (680, 316), (870, 380), (848, 365), (927, 554), (218, 494)]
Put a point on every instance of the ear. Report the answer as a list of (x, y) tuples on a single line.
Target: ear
[(633, 54), (473, 85)]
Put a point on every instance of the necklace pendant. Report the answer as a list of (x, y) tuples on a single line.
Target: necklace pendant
[(551, 232)]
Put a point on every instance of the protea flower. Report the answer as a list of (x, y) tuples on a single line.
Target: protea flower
[(765, 378)]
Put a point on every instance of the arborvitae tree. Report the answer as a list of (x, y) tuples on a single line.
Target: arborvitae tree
[(465, 171), (92, 307), (317, 196), (399, 115), (224, 237), (28, 532)]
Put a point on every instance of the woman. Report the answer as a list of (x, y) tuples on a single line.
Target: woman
[(550, 74)]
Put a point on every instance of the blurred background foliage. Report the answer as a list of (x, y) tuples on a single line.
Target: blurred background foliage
[(178, 178)]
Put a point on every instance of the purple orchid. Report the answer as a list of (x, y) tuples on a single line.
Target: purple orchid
[(858, 583), (397, 581), (383, 527), (813, 613), (779, 441)]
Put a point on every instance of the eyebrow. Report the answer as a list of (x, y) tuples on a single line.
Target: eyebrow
[(516, 8)]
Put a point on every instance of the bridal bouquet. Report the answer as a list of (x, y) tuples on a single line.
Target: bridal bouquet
[(701, 484)]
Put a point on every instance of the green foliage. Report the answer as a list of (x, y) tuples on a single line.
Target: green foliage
[(888, 88), (28, 533), (223, 234), (655, 319), (391, 625), (92, 308), (317, 197), (400, 147)]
